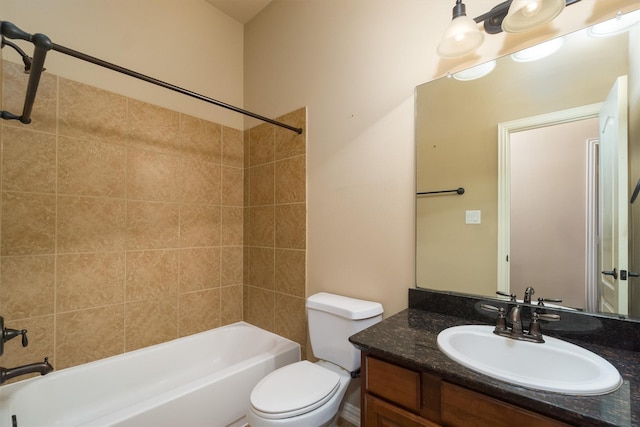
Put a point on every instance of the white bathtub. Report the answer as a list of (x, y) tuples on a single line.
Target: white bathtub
[(199, 380)]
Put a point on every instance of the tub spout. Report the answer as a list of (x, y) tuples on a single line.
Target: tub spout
[(43, 368)]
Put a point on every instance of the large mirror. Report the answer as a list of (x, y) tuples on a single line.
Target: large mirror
[(528, 144)]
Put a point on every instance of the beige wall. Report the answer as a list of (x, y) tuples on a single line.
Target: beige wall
[(355, 66)]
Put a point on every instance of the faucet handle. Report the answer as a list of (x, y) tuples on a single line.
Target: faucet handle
[(489, 307), (501, 323), (542, 300), (534, 326), (545, 316), (8, 334), (512, 297)]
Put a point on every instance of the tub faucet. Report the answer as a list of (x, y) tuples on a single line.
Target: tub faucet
[(43, 368)]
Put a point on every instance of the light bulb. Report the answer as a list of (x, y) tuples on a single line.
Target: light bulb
[(531, 8)]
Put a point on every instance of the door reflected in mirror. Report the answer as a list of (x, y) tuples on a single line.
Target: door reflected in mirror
[(459, 124)]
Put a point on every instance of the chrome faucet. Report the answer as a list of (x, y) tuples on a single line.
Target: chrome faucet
[(43, 368)]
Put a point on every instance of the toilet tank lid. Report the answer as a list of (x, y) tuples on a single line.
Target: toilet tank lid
[(349, 308)]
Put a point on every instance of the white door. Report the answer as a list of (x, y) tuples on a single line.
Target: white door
[(614, 203)]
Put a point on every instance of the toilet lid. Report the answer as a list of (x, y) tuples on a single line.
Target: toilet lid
[(293, 390)]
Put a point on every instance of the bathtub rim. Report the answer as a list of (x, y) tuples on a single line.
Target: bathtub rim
[(133, 353)]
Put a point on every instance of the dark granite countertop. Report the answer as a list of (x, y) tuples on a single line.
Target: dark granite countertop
[(409, 338)]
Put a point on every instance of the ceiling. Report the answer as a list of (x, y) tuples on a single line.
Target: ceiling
[(240, 10)]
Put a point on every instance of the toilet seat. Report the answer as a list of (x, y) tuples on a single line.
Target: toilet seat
[(293, 390)]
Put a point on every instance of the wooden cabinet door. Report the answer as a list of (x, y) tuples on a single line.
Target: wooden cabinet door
[(379, 413), (462, 407)]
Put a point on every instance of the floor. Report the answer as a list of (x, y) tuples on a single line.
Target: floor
[(343, 423)]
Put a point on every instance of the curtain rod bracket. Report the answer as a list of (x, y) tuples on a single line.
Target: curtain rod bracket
[(26, 59), (42, 45)]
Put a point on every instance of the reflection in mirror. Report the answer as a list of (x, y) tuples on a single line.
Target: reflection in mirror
[(522, 224)]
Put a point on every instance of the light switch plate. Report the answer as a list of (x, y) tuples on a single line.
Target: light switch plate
[(472, 217)]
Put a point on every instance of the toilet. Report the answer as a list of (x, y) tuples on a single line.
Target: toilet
[(310, 394)]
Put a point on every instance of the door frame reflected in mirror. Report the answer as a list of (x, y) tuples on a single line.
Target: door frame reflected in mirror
[(505, 130)]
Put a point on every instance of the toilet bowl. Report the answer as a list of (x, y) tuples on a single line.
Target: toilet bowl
[(300, 394), (310, 394)]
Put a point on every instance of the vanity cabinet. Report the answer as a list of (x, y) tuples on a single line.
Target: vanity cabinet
[(393, 396)]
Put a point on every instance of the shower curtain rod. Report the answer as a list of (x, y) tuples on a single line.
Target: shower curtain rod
[(42, 44)]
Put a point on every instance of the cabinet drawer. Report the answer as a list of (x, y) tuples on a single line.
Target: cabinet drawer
[(391, 382)]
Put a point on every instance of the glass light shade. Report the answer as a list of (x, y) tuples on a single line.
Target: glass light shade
[(476, 72), (539, 51), (614, 26), (461, 37), (525, 15)]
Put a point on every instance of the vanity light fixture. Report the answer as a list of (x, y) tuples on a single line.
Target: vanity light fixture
[(539, 51), (463, 36), (619, 24)]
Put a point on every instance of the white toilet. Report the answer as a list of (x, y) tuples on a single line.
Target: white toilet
[(309, 394)]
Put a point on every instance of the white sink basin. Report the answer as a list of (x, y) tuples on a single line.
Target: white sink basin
[(555, 365)]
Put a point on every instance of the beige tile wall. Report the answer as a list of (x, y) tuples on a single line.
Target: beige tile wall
[(275, 228), (122, 224)]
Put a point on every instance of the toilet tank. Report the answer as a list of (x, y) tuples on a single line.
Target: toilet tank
[(332, 320)]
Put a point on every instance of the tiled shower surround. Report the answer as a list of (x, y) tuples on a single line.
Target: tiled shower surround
[(125, 225)]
